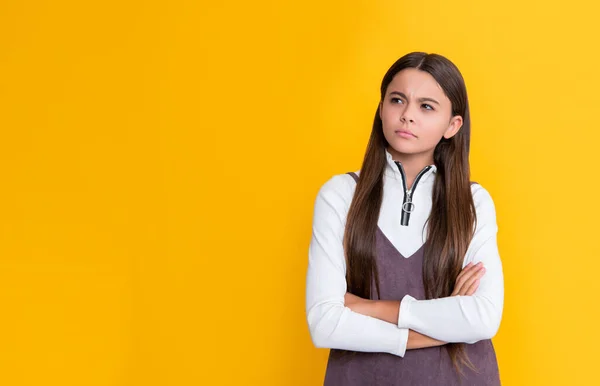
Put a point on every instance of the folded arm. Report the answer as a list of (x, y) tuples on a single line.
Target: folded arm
[(472, 318), (331, 323), (467, 283)]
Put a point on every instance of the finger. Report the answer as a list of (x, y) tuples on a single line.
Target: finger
[(469, 284), (472, 288), (468, 275), (461, 278), (464, 270), (469, 269), (464, 275)]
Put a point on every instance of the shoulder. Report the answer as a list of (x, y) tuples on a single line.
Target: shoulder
[(484, 203), (339, 188), (333, 200)]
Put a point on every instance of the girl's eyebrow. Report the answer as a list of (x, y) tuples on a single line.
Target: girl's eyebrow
[(420, 99)]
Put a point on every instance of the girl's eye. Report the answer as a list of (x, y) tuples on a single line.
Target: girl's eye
[(396, 100), (427, 107)]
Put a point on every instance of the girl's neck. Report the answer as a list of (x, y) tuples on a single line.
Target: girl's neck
[(412, 163)]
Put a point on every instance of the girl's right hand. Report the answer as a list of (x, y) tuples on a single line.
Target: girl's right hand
[(467, 281)]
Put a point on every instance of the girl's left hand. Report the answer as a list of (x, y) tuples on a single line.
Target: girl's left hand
[(467, 281)]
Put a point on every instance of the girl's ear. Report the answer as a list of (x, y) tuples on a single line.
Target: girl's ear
[(380, 107), (455, 124)]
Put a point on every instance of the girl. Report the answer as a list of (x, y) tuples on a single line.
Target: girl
[(404, 280)]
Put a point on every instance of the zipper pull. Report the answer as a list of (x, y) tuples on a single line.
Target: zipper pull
[(408, 206)]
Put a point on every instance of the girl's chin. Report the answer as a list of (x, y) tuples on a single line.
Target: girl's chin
[(402, 148)]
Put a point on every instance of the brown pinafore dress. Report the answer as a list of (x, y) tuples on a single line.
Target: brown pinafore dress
[(432, 366)]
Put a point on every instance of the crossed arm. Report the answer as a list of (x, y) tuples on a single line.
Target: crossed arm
[(336, 320), (467, 283)]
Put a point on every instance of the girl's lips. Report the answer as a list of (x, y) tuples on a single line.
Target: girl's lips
[(405, 134)]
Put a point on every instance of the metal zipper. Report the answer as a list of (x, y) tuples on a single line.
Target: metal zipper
[(407, 205)]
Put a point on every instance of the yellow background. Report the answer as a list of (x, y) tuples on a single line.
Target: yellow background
[(159, 163)]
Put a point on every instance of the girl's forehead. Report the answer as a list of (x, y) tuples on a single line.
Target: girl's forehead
[(413, 82)]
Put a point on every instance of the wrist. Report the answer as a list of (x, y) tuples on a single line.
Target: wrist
[(386, 310)]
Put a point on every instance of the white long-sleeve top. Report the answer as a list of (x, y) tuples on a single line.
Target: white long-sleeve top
[(465, 319)]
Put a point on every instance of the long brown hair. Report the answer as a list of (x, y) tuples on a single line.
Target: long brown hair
[(452, 218)]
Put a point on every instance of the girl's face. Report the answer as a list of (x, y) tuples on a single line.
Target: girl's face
[(416, 114)]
